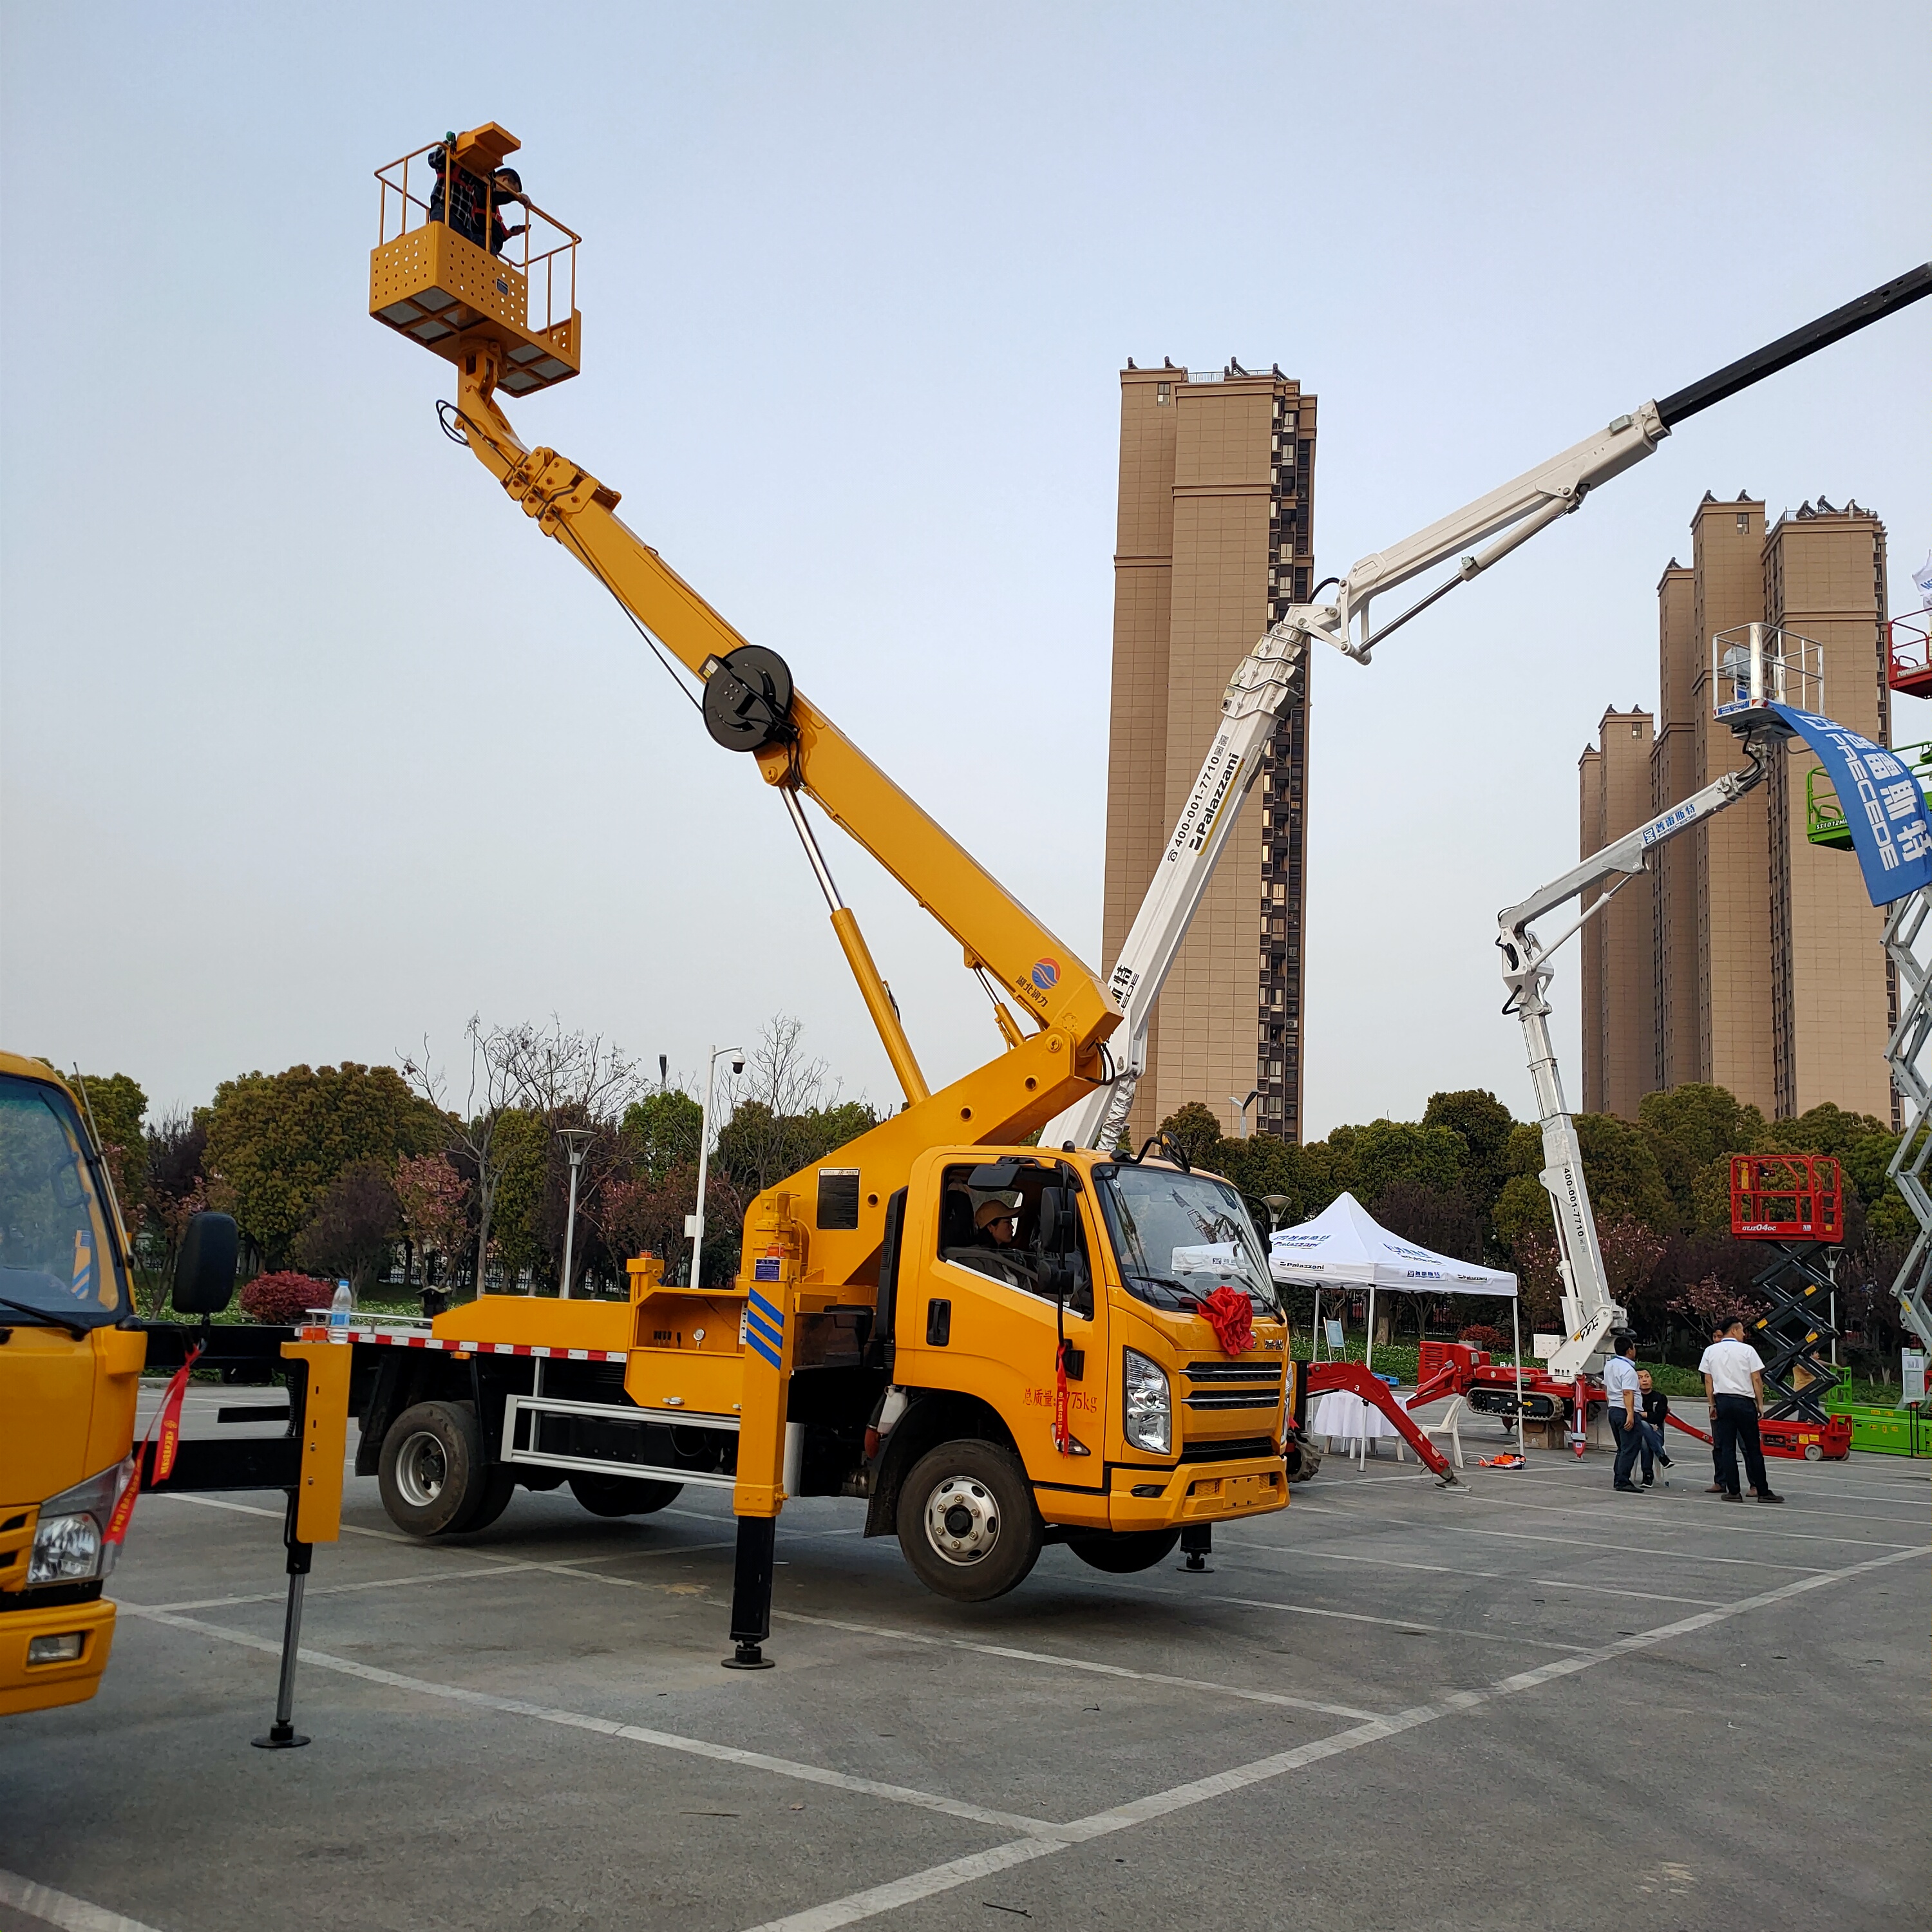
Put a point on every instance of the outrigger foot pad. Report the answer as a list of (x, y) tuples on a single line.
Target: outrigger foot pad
[(1196, 1547), (280, 1737), (746, 1657)]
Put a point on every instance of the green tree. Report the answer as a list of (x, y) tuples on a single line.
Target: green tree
[(662, 1132), (1267, 1169), (1193, 1129), (1692, 1130), (1484, 1125), (118, 1109), (522, 1147), (356, 1225), (1384, 1152), (1619, 1165), (277, 1141)]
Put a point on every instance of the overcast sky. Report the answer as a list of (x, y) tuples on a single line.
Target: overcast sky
[(312, 746)]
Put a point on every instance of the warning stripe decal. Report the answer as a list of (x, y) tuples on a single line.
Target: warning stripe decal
[(320, 1332)]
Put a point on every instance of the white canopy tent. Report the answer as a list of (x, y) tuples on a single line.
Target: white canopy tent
[(1345, 1247)]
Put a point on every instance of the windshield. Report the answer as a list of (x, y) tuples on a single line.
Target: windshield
[(56, 1261), (1178, 1237)]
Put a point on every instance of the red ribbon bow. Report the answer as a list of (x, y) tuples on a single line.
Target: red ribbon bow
[(1231, 1316)]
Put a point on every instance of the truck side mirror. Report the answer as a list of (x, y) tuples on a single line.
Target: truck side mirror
[(205, 1267), (1058, 1229)]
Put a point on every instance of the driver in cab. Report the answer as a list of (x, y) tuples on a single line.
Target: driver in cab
[(996, 1225)]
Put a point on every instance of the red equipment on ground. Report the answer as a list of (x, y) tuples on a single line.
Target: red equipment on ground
[(1325, 1378)]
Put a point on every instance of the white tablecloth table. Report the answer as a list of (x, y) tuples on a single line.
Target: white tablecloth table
[(1339, 1415)]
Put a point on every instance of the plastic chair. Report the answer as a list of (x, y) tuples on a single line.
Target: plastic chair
[(1449, 1428)]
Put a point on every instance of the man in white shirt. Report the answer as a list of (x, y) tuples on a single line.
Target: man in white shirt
[(1733, 1374), (1625, 1399)]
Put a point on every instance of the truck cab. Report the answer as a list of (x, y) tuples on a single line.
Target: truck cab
[(70, 1363), (978, 1452)]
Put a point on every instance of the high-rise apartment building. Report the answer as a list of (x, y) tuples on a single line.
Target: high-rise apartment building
[(1613, 797), (1216, 536), (1748, 958)]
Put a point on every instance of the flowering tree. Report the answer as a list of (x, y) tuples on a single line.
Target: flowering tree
[(1710, 1305), (435, 1202)]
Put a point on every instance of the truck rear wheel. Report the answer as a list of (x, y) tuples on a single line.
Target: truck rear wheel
[(967, 1521), (623, 1495), (433, 1478), (1121, 1552)]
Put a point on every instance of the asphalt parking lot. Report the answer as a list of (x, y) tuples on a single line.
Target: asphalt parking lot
[(1535, 1704)]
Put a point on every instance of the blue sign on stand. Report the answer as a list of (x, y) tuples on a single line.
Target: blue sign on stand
[(1885, 810)]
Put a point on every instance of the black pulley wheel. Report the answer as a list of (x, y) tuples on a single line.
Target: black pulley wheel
[(747, 699)]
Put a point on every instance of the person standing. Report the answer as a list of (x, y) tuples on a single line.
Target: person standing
[(1626, 1423), (1733, 1374)]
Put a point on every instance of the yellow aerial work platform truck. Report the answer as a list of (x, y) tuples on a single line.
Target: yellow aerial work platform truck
[(1106, 1364)]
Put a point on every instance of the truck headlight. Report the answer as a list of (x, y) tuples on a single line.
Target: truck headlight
[(66, 1550), (67, 1541), (1149, 1411)]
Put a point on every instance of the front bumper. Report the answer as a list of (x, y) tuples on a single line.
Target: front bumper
[(39, 1687), (1196, 1492)]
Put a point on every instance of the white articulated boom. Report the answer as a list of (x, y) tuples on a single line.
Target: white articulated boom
[(1590, 1313), (1261, 683)]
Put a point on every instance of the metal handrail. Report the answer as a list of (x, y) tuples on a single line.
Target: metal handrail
[(392, 182)]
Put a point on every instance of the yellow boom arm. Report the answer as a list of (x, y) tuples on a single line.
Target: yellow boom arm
[(1011, 1095)]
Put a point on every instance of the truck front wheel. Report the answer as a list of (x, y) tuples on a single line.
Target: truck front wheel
[(433, 1478), (1121, 1552), (967, 1521)]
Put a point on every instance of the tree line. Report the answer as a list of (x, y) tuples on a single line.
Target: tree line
[(344, 1171), (351, 1171), (1462, 1181)]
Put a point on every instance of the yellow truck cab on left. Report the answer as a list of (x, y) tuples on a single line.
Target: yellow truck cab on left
[(70, 1363)]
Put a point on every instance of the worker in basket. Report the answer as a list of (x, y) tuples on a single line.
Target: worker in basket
[(460, 203)]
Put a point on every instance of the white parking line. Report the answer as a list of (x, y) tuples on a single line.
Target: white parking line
[(1009, 1652), (57, 1908), (1484, 1576), (1407, 1624), (1719, 1518), (878, 1899), (1603, 1548), (579, 1720)]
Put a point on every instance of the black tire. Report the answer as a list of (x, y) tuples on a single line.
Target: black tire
[(432, 1472), (1121, 1552), (1814, 1452), (499, 1487), (623, 1495), (967, 1521), (1304, 1460)]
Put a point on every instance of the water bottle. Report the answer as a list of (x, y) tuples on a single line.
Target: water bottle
[(339, 1310)]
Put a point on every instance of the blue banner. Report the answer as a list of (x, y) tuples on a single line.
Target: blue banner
[(1885, 810)]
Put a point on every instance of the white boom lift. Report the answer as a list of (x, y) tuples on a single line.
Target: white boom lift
[(1255, 694), (1754, 666)]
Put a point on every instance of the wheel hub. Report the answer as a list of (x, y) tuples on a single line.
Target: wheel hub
[(420, 1470), (962, 1520)]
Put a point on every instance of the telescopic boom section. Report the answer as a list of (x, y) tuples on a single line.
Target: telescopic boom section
[(1013, 1095)]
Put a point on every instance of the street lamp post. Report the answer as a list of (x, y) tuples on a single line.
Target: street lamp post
[(575, 1140), (1241, 1109), (693, 1224)]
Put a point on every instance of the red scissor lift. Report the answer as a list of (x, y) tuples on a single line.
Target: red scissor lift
[(1794, 1203)]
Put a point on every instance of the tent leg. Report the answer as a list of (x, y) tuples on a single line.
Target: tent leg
[(1369, 1340)]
